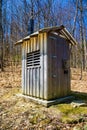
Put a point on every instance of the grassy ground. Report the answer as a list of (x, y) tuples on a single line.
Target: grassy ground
[(17, 113)]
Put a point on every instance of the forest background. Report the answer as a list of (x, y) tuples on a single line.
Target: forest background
[(19, 16)]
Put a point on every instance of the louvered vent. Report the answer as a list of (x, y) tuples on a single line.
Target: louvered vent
[(33, 59)]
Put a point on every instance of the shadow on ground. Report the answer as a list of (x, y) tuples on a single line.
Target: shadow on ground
[(79, 95)]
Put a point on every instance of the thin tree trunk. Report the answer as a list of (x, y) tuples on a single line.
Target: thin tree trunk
[(74, 53), (1, 36), (81, 36), (75, 17)]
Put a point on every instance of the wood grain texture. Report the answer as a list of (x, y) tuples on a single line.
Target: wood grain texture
[(48, 80)]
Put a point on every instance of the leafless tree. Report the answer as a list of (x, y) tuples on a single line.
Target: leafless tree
[(1, 37)]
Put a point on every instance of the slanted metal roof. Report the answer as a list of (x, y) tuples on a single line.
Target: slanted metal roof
[(61, 31)]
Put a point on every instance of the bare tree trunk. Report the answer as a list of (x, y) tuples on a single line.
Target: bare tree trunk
[(85, 57), (1, 37), (74, 50), (31, 23), (85, 49), (75, 18), (81, 36), (38, 5)]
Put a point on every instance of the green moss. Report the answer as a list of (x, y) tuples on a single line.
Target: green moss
[(68, 109), (85, 127), (71, 114), (77, 128)]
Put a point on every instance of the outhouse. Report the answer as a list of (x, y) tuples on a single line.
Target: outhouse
[(46, 64)]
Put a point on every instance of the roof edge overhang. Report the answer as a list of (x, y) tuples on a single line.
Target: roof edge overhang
[(64, 32), (61, 30), (19, 42), (53, 28), (26, 38)]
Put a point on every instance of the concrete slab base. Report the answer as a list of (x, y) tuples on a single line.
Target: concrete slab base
[(78, 103), (45, 102)]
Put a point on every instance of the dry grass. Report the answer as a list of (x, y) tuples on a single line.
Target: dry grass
[(76, 83), (20, 114)]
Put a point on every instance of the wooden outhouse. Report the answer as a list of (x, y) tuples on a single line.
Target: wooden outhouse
[(46, 64)]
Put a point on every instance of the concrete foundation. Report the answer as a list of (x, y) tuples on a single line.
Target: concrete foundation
[(45, 102)]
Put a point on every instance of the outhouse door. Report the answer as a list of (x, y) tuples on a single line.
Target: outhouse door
[(53, 65), (59, 76)]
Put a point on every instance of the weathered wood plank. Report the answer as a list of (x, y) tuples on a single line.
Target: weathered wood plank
[(37, 82), (44, 77), (34, 42), (23, 70), (32, 68), (58, 70), (26, 68), (28, 82), (52, 67), (42, 66), (33, 77), (30, 73), (45, 69)]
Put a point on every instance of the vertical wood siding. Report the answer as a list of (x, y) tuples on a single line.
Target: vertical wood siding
[(23, 68), (58, 82), (47, 80), (45, 64), (42, 66), (34, 80)]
